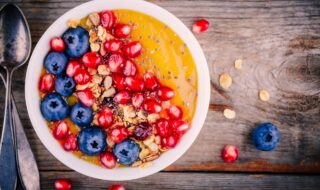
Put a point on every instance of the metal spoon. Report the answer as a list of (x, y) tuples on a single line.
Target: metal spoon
[(16, 48)]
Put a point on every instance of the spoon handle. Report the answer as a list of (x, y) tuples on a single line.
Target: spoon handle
[(27, 165), (8, 174)]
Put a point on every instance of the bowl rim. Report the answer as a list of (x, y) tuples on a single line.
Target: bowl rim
[(84, 167)]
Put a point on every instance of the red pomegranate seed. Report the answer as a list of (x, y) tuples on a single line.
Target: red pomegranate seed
[(113, 45), (119, 81), (130, 68), (151, 106), (108, 160), (86, 97), (229, 153), (122, 97), (57, 44), (60, 130), (82, 76), (122, 30), (134, 84), (180, 127), (165, 93), (107, 19), (62, 184), (92, 59), (70, 143), (150, 81), (72, 67), (46, 83), (117, 187), (115, 62), (170, 141), (133, 49), (137, 100), (105, 117), (200, 26), (118, 134), (164, 127), (175, 112)]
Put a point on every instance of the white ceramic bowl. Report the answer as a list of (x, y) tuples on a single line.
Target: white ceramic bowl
[(33, 101)]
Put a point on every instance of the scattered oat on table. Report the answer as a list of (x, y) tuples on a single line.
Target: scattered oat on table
[(264, 95), (238, 64), (225, 81), (229, 114)]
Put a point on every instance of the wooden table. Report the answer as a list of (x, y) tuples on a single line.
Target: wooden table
[(279, 42)]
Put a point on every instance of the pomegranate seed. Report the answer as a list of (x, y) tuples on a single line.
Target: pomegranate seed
[(113, 45), (60, 130), (130, 68), (107, 19), (200, 26), (86, 97), (122, 30), (137, 100), (151, 106), (57, 44), (134, 84), (150, 81), (115, 62), (117, 187), (180, 127), (164, 127), (175, 112), (229, 153), (70, 143), (122, 97), (108, 160), (82, 76), (119, 81), (62, 184), (105, 117), (72, 67), (165, 93), (46, 83), (133, 49), (170, 141), (118, 134), (92, 59)]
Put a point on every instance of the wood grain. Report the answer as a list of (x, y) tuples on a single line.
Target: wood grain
[(279, 42)]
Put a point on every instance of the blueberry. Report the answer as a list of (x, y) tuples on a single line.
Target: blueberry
[(54, 107), (77, 42), (266, 137), (65, 85), (92, 140), (55, 62), (127, 152), (81, 115)]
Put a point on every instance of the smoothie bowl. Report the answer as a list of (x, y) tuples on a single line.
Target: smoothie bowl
[(117, 91)]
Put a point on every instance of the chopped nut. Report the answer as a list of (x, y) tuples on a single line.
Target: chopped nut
[(153, 147), (95, 107), (152, 118), (92, 71), (73, 23), (230, 114), (157, 139), (103, 70), (152, 157), (128, 112), (238, 63), (144, 153), (96, 90), (146, 165), (131, 129), (107, 83), (225, 81), (264, 95), (94, 18), (95, 120), (96, 79), (149, 140), (141, 115), (137, 163), (108, 93), (109, 36), (95, 47), (103, 51), (110, 143), (82, 87), (101, 30), (93, 36), (89, 23)]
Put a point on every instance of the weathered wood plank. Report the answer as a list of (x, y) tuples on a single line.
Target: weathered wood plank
[(203, 181), (280, 44)]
